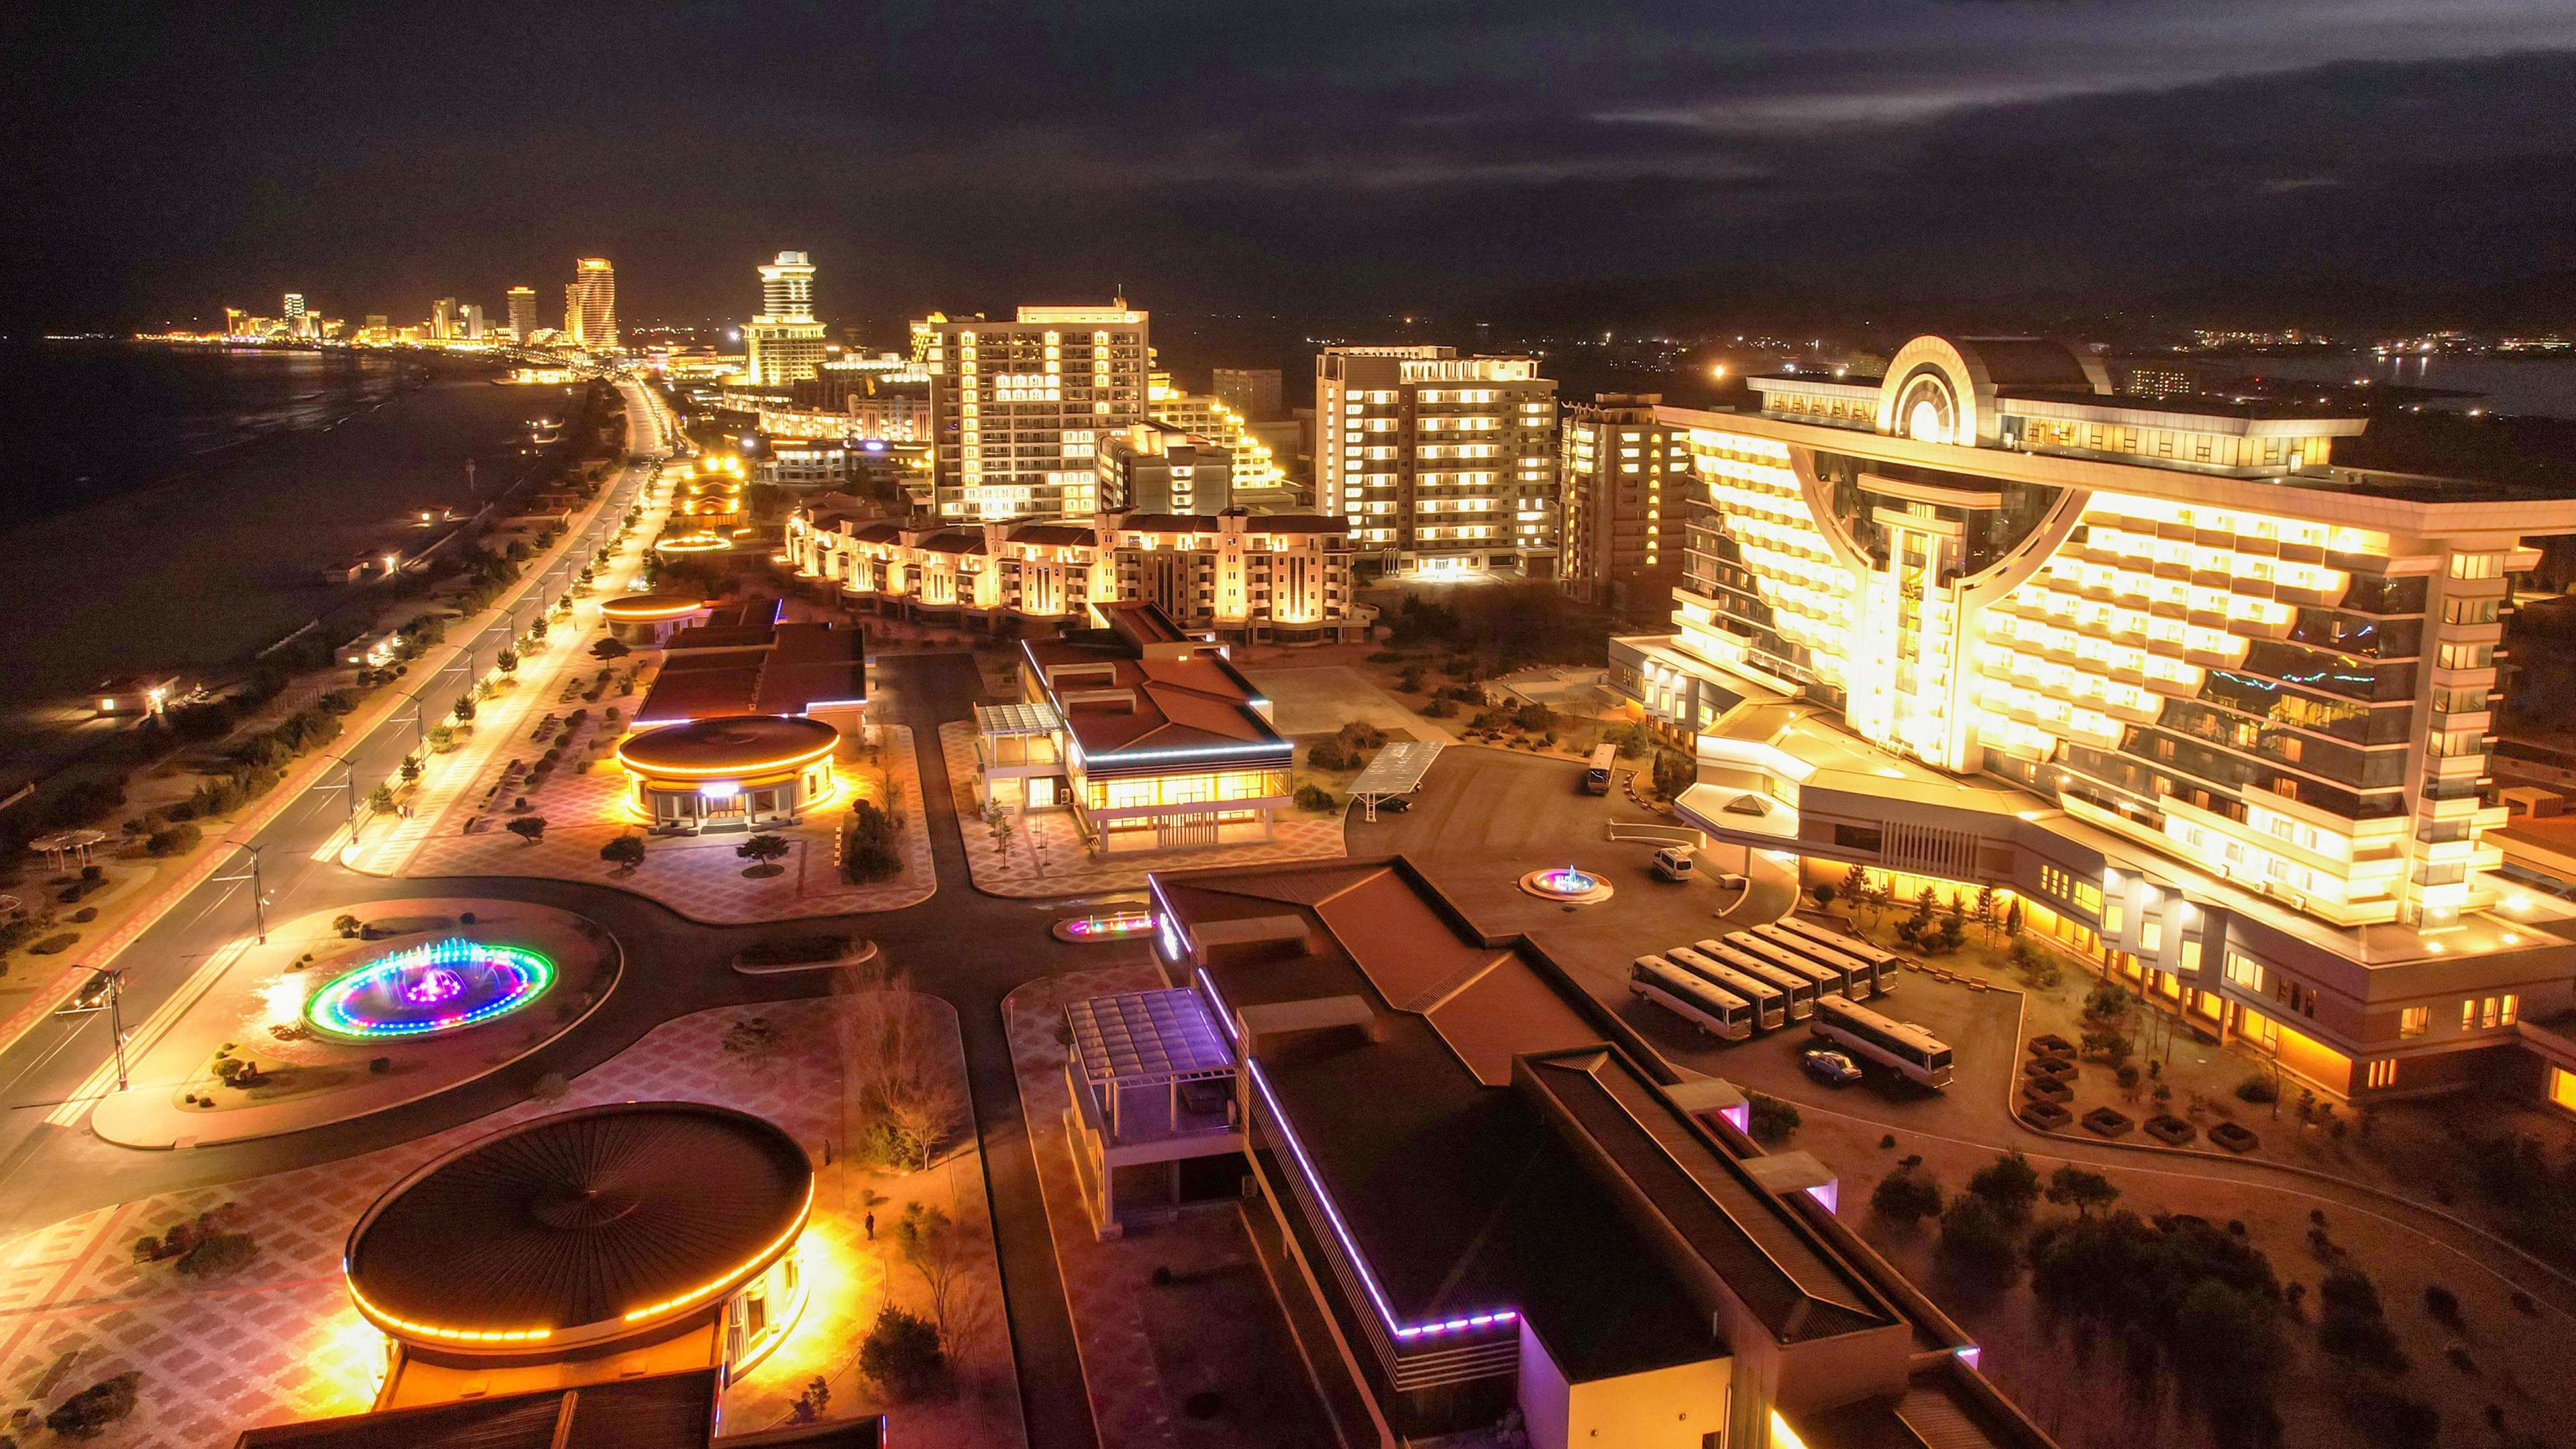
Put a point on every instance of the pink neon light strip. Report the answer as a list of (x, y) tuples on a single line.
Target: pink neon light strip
[(1333, 1215)]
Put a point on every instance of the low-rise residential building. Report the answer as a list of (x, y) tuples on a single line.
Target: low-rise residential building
[(1154, 467), (1479, 1193), (1275, 577), (2212, 709), (1160, 743), (803, 463)]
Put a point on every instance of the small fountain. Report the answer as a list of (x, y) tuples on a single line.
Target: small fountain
[(430, 989), (1570, 884)]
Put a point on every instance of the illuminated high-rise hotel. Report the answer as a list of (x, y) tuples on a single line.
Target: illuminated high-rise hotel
[(523, 312), (2213, 710), (590, 305), (1623, 475), (784, 343), (1018, 408), (1442, 463)]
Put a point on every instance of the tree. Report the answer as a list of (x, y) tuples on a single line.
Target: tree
[(2072, 1186), (609, 649), (381, 799), (2353, 1325), (902, 1353), (909, 1101), (347, 925), (937, 1251), (530, 828), (1986, 915), (764, 852), (1906, 1197), (1976, 1239), (463, 709), (1674, 773), (2012, 919), (1823, 891), (626, 852), (868, 849), (997, 826), (507, 661), (2009, 1185), (410, 769), (441, 739)]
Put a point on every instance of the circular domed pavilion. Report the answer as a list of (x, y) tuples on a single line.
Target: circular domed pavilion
[(591, 1231), (734, 772), (651, 618)]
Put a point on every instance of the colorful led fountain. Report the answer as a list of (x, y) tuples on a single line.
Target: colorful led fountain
[(1570, 884), (438, 987), (1114, 927)]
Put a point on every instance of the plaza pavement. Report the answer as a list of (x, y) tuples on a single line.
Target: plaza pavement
[(279, 1341)]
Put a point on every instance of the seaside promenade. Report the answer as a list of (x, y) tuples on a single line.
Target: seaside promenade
[(172, 938)]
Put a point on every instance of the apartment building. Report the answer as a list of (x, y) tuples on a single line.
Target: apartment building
[(1017, 408), (1158, 468), (2214, 709), (1255, 472), (1252, 392), (1444, 464), (1271, 577), (1622, 474)]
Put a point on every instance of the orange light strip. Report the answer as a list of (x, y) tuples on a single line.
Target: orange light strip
[(756, 1260), (459, 1335), (691, 772), (617, 609)]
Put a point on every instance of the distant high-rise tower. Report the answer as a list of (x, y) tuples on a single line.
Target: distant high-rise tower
[(572, 312), (787, 288), (784, 343), (442, 319), (1018, 408), (294, 307), (596, 283), (523, 312), (297, 324), (470, 321)]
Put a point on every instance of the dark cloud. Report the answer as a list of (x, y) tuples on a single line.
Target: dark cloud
[(1331, 155)]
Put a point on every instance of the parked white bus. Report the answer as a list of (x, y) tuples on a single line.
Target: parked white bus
[(1781, 963), (1799, 992), (1715, 1011), (1857, 977), (1770, 1003), (1910, 1049), (1883, 965)]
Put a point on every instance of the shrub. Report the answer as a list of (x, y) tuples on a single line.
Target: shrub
[(530, 828), (1771, 1120), (902, 1353), (1674, 773), (2444, 1305), (1331, 754), (626, 851), (2257, 1089), (868, 848), (54, 945), (87, 1414), (1315, 797), (1905, 1197), (217, 1254), (172, 840)]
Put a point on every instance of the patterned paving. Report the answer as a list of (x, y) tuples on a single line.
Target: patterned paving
[(1046, 857), (278, 1340), (701, 877), (1129, 1404)]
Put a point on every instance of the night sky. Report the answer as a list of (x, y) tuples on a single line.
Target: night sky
[(1541, 159)]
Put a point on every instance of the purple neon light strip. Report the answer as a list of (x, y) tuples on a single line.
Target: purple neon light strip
[(1333, 1215), (1224, 1013)]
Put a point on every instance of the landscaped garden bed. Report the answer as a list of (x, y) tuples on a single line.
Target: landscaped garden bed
[(2171, 1130), (2234, 1138), (2109, 1122), (2046, 1116)]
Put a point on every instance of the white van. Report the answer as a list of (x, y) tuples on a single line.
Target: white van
[(1675, 862)]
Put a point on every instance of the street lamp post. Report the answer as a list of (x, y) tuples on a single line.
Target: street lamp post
[(114, 1006), (258, 895)]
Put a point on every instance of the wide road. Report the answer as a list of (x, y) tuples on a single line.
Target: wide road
[(52, 1062), (966, 947)]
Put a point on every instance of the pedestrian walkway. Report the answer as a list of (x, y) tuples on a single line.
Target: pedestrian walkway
[(1047, 857)]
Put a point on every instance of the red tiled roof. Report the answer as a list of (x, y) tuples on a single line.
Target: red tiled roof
[(781, 671), (1170, 704)]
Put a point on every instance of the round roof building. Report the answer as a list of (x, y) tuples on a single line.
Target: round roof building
[(570, 1232), (731, 771)]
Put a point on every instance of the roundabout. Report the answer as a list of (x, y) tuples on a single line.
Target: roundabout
[(430, 990)]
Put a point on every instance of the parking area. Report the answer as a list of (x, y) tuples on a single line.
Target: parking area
[(1483, 817)]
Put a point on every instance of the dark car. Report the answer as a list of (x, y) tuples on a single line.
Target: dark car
[(93, 993), (1830, 1067)]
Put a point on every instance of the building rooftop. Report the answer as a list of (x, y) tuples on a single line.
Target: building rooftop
[(1116, 699), (784, 669), (581, 1226)]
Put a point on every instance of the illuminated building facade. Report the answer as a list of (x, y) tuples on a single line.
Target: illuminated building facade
[(2215, 708), (1269, 577), (1443, 464), (590, 305), (784, 344), (1623, 474), (1155, 467), (1254, 471), (1158, 742), (523, 313), (1017, 408)]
